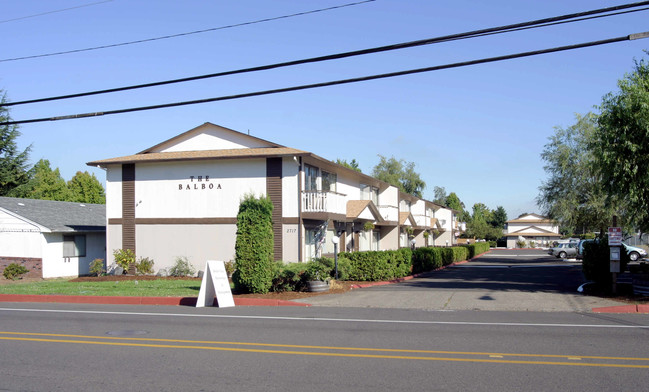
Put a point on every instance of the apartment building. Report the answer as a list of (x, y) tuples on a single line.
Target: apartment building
[(181, 198)]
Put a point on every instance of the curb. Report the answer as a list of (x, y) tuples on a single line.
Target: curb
[(170, 301), (623, 309)]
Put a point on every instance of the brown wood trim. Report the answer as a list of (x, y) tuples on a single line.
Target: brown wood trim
[(177, 221), (324, 216), (128, 206), (291, 221), (274, 191)]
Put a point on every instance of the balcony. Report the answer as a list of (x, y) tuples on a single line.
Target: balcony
[(327, 202)]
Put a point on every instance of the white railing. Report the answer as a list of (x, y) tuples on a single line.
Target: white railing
[(319, 201), (422, 220), (389, 213)]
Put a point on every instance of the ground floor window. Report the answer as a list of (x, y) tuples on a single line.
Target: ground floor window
[(74, 246), (369, 240)]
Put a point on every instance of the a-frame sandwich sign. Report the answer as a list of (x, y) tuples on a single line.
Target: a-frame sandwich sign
[(215, 284)]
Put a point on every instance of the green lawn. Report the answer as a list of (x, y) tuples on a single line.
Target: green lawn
[(129, 288)]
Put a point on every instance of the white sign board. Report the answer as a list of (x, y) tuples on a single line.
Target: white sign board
[(215, 283), (614, 236)]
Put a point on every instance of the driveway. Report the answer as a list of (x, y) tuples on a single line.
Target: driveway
[(503, 279)]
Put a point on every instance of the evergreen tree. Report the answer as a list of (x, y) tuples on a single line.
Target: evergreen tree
[(13, 163), (85, 188), (44, 184)]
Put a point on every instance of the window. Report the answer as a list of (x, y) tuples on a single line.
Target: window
[(369, 192), (369, 240), (310, 178), (329, 181), (74, 246)]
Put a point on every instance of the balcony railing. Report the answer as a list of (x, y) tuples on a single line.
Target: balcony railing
[(320, 201)]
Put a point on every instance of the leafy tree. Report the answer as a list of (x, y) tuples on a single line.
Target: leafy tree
[(86, 188), (13, 163), (498, 217), (453, 202), (400, 174), (620, 145), (573, 194), (440, 195), (44, 184), (254, 245), (478, 225), (350, 165)]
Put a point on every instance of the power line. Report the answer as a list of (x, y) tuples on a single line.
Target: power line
[(337, 82), (471, 34), (185, 34), (55, 11)]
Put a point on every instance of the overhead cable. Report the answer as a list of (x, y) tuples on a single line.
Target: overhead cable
[(184, 34), (428, 41), (335, 82), (53, 12)]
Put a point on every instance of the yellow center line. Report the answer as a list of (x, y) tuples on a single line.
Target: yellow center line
[(375, 356), (109, 341)]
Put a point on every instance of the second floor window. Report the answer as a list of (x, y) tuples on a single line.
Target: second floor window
[(310, 178), (329, 181), (369, 192)]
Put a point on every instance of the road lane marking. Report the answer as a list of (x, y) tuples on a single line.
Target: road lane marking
[(326, 319), (324, 354), (340, 348)]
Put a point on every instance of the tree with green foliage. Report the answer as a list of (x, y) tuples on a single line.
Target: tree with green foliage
[(620, 145), (440, 195), (573, 194), (86, 188), (498, 217), (13, 163), (400, 174), (44, 184), (478, 225), (350, 165), (254, 245)]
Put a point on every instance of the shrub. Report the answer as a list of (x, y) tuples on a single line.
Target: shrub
[(182, 267), (316, 270), (254, 246), (97, 267), (596, 262), (520, 243), (124, 258), (229, 268), (378, 265), (13, 271), (288, 277), (476, 249), (144, 265), (426, 259)]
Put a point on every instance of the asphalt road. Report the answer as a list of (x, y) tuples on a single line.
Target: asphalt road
[(65, 347), (507, 280)]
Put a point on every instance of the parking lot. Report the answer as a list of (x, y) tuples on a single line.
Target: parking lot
[(503, 279)]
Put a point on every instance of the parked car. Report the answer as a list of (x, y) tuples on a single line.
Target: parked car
[(634, 253), (564, 250)]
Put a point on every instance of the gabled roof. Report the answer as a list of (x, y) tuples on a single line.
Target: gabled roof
[(407, 217), (531, 218), (223, 133), (198, 155), (57, 216), (363, 209), (533, 231)]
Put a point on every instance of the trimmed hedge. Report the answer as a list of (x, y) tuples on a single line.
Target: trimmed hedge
[(253, 248), (426, 259), (378, 265), (477, 248)]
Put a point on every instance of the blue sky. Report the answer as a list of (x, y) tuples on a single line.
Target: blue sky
[(477, 131)]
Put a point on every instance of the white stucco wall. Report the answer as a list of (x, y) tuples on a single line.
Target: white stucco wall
[(196, 189), (210, 137), (55, 265), (114, 191), (199, 243)]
